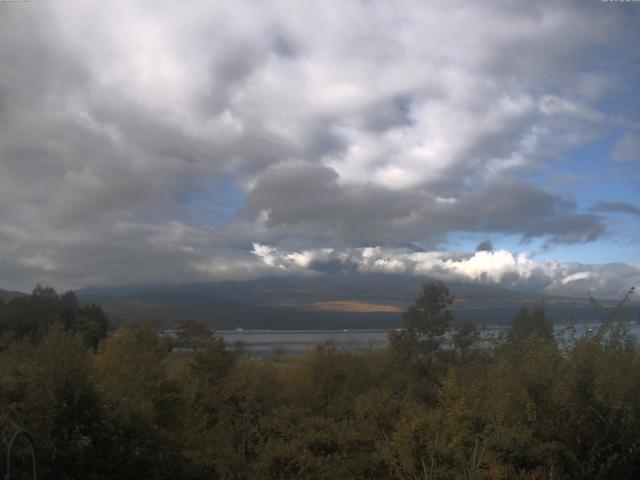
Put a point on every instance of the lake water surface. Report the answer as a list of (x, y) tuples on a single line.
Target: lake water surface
[(296, 342)]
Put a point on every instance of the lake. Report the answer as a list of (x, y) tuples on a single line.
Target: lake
[(296, 342), (261, 343)]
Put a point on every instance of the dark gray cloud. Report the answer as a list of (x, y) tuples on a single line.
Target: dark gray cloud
[(351, 124), (520, 208), (485, 246), (616, 207), (305, 198)]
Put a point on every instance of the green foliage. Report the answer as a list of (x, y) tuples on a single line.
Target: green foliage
[(530, 323), (31, 317), (47, 389), (418, 347), (466, 341), (212, 361), (426, 322), (143, 404)]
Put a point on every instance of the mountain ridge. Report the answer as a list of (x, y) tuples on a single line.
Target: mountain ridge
[(326, 301), (9, 294)]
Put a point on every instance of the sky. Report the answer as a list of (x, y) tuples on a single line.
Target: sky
[(164, 142)]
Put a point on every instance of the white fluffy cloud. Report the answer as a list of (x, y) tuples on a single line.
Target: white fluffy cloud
[(501, 267)]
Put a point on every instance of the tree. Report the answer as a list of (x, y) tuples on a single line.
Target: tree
[(528, 324), (211, 361), (465, 338), (47, 389), (426, 321), (418, 344), (32, 316), (143, 405)]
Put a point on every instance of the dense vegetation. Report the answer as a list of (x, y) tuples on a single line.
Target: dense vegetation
[(31, 316), (431, 406)]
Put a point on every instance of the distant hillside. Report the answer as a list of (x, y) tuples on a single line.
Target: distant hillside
[(303, 292), (9, 294), (167, 308), (327, 301)]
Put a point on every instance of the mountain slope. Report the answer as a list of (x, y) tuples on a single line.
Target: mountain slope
[(9, 294), (327, 301)]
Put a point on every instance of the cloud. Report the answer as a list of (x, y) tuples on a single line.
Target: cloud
[(627, 148), (304, 198), (343, 124), (616, 207), (485, 246), (501, 268)]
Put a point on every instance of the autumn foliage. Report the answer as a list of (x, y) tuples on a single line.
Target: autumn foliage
[(437, 404)]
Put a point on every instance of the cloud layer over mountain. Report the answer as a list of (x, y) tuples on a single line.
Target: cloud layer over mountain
[(501, 268), (157, 141)]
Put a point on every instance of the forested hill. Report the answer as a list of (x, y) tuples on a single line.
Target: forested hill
[(31, 316)]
